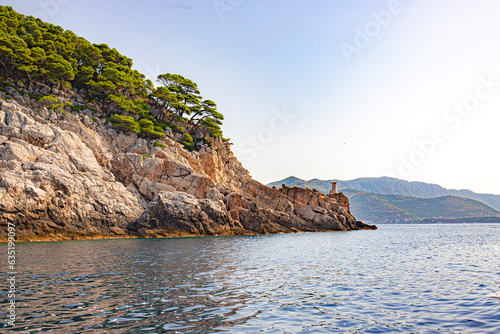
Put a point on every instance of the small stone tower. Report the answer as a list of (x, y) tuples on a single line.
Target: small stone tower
[(334, 188)]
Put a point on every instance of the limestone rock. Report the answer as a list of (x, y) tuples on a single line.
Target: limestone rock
[(51, 185), (65, 176), (178, 212)]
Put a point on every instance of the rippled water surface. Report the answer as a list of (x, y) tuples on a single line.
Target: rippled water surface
[(399, 279)]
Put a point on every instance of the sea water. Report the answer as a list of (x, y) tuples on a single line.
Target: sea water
[(398, 279)]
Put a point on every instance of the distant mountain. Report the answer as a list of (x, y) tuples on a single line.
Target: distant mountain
[(391, 186), (380, 208)]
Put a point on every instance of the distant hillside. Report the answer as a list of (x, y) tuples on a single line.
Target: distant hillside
[(391, 186), (396, 208), (482, 220)]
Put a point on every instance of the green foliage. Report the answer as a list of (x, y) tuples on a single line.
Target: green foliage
[(145, 156), (101, 87), (167, 103), (212, 127), (59, 68), (206, 109), (33, 50), (187, 141), (174, 127), (136, 106), (157, 143), (150, 129), (53, 103), (144, 127), (180, 96), (126, 123), (35, 96), (49, 100)]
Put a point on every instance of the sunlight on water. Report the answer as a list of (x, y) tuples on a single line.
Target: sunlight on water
[(400, 278)]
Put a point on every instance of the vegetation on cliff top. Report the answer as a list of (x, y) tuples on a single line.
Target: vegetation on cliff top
[(35, 51)]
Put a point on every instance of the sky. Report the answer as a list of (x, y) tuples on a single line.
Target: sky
[(324, 89)]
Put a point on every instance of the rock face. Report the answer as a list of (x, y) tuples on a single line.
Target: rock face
[(68, 176), (52, 185), (178, 213)]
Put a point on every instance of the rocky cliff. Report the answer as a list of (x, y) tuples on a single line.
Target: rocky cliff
[(71, 176)]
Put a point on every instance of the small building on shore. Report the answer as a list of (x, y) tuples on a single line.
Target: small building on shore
[(333, 191)]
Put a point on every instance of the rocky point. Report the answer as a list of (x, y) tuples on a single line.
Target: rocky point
[(72, 176)]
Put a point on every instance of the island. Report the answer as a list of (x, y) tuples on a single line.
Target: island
[(89, 148)]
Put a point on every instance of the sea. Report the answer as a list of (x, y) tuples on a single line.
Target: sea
[(397, 279)]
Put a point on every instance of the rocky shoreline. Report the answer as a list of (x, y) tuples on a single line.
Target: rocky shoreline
[(72, 176)]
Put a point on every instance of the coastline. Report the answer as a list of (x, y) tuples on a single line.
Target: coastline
[(171, 235), (74, 178), (102, 152)]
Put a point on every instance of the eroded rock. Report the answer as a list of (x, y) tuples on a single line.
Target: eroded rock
[(68, 177)]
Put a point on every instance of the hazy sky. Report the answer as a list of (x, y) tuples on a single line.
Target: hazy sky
[(324, 89)]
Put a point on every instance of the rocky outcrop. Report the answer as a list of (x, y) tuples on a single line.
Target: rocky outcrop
[(52, 185), (178, 213), (73, 176)]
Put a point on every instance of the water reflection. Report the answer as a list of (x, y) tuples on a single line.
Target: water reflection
[(122, 284), (396, 279)]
